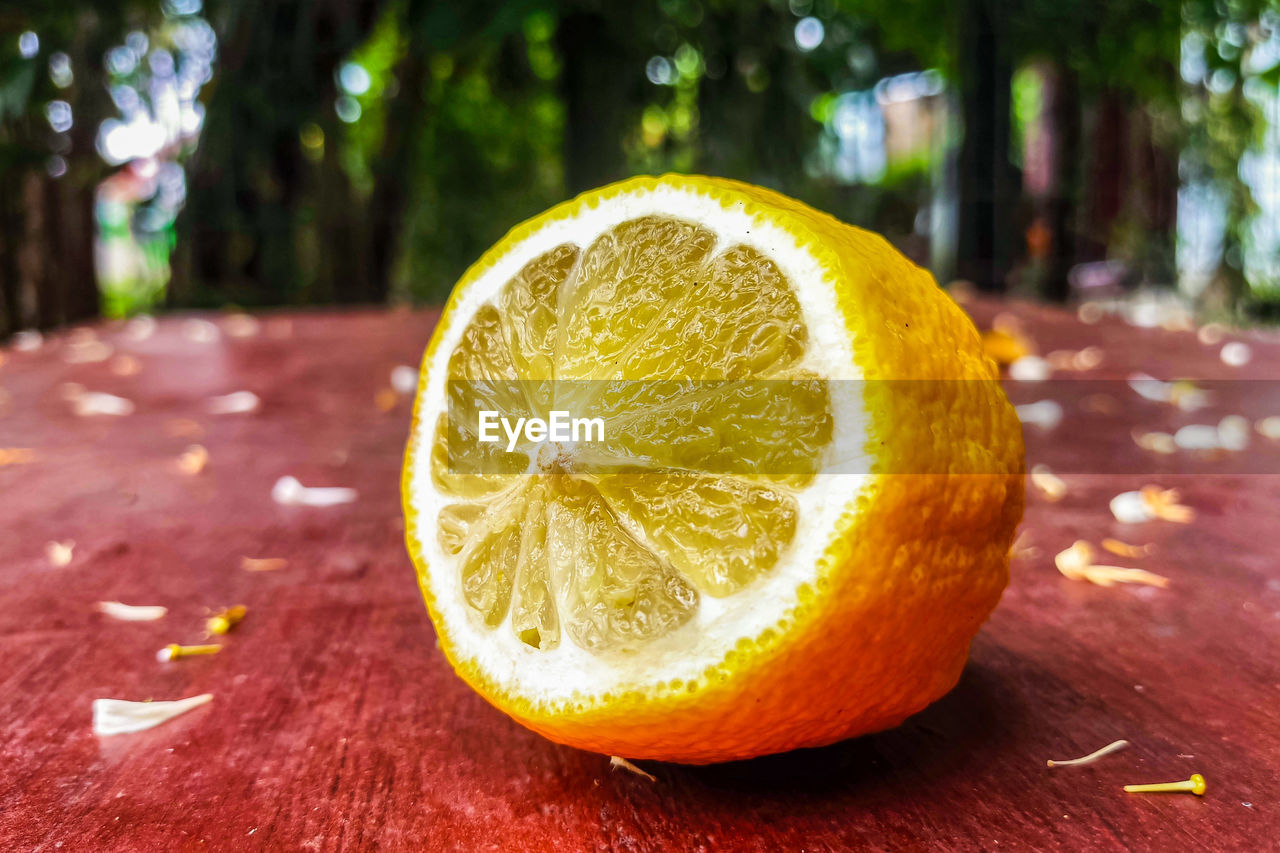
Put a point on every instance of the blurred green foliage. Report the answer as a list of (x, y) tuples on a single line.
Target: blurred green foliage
[(366, 150)]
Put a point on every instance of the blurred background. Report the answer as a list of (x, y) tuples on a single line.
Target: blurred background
[(212, 153)]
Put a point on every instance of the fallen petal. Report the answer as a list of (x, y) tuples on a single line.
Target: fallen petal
[(289, 492), (404, 379), (1030, 368), (125, 365), (1150, 388), (1074, 560), (140, 328), (1236, 354), (1045, 414), (235, 403), (1156, 442), (1197, 437), (16, 456), (1130, 508), (193, 460), (1234, 432), (132, 612), (1053, 486), (240, 325), (1164, 504), (60, 553), (263, 564), (87, 351), (200, 331), (1211, 334), (118, 716), (91, 403), (28, 340)]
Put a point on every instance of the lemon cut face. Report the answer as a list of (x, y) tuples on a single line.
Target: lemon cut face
[(771, 546), (611, 555)]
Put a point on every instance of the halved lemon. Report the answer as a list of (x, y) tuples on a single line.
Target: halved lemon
[(617, 596)]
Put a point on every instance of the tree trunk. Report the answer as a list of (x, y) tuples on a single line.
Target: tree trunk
[(986, 189), (1108, 174), (1156, 206), (1061, 214), (406, 115)]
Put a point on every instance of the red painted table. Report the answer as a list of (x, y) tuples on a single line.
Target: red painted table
[(337, 724)]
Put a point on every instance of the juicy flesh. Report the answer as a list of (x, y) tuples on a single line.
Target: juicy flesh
[(612, 560)]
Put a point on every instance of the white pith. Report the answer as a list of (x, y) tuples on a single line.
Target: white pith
[(567, 672)]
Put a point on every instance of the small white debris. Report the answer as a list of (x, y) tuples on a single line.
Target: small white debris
[(91, 403), (1053, 486), (1045, 414), (1236, 354), (1150, 388), (1130, 508), (118, 716), (235, 403), (200, 331), (289, 492), (1197, 437), (132, 612), (1269, 427), (1211, 334), (59, 554), (240, 325), (1233, 432), (1151, 502), (1185, 395), (87, 350), (1030, 368), (1090, 313), (140, 328), (404, 379), (28, 340), (1156, 442)]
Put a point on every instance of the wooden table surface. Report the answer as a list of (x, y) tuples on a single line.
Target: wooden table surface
[(337, 724)]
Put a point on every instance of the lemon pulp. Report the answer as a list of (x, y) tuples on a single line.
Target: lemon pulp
[(618, 553)]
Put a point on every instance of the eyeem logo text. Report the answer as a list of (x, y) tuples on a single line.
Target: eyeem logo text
[(559, 427)]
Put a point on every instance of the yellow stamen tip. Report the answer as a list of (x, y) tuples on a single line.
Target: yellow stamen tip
[(221, 623), (1194, 785)]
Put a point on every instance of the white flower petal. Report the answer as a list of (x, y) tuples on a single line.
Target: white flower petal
[(289, 492), (132, 612), (1236, 354), (1150, 388), (1046, 414), (92, 403), (404, 379), (235, 403), (1030, 368), (118, 716), (28, 340), (1130, 508), (140, 328), (1197, 437), (200, 331), (1233, 432)]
